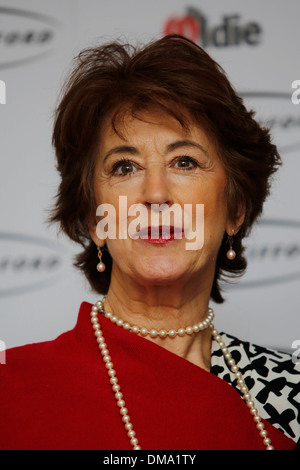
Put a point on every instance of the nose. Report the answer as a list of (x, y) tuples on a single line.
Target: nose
[(156, 186)]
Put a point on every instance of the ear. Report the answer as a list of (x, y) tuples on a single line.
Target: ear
[(232, 227), (93, 234)]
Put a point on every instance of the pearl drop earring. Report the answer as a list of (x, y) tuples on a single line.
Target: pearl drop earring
[(231, 254), (100, 266)]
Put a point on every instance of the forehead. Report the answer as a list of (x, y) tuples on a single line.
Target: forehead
[(125, 117), (149, 125)]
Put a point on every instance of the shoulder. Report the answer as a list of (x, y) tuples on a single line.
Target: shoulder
[(272, 378), (58, 353), (34, 362)]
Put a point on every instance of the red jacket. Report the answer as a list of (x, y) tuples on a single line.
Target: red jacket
[(57, 395)]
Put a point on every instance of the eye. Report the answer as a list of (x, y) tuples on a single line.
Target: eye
[(186, 163), (123, 167)]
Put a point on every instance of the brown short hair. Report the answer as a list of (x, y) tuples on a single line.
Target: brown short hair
[(179, 77)]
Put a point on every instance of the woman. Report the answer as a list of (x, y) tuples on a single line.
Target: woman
[(158, 128)]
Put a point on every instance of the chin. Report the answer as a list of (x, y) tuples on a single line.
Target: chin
[(160, 271)]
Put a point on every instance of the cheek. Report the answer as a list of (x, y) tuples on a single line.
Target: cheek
[(212, 195), (215, 210), (216, 194), (101, 191), (215, 204)]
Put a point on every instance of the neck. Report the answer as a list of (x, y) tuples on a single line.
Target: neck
[(165, 307)]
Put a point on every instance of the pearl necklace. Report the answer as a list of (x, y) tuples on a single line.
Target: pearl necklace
[(189, 330), (98, 307)]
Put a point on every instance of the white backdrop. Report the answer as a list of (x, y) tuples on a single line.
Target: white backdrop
[(257, 42)]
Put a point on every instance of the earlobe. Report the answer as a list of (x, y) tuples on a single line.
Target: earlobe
[(98, 242), (232, 228)]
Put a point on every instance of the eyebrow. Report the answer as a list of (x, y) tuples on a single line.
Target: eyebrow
[(121, 149), (186, 143), (170, 147)]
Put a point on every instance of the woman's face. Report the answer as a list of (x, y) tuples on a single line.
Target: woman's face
[(154, 161)]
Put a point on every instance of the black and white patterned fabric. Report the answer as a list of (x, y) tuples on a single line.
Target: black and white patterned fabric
[(272, 378)]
